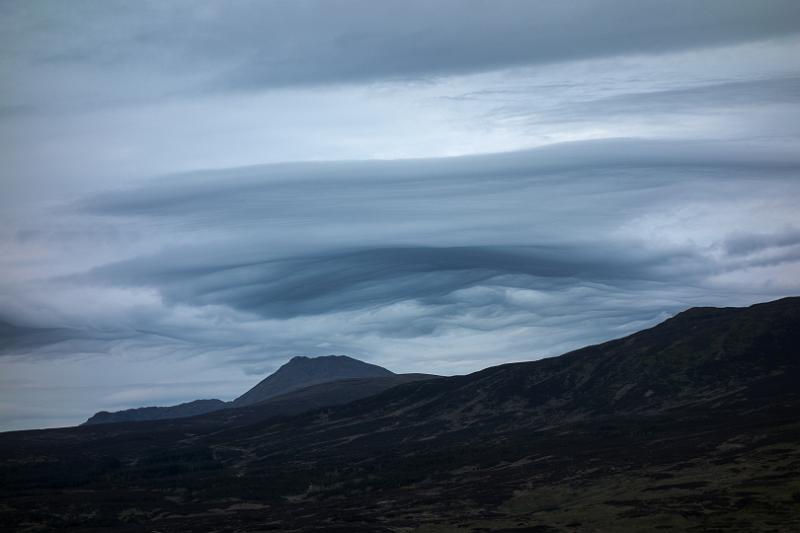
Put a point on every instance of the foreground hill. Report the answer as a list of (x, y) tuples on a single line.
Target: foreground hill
[(690, 425), (299, 373)]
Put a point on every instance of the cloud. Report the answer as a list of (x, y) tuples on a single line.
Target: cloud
[(704, 98), (413, 40), (316, 284), (361, 190), (749, 243), (195, 191), (205, 46), (254, 264)]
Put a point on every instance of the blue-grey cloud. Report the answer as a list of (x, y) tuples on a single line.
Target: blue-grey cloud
[(419, 39), (373, 277), (363, 235), (208, 46), (749, 243), (452, 237), (700, 99), (361, 189)]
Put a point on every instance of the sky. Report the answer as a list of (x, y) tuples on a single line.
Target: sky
[(192, 192)]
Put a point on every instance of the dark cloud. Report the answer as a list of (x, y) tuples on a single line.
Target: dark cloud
[(16, 338), (374, 277), (354, 235), (257, 45), (57, 342), (288, 241), (427, 247), (420, 39)]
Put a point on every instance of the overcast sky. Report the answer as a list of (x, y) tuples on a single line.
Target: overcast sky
[(193, 192)]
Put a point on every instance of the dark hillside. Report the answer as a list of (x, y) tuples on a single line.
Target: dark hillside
[(688, 426)]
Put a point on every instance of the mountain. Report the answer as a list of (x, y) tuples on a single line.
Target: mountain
[(197, 407), (302, 372), (688, 426), (296, 401), (318, 396)]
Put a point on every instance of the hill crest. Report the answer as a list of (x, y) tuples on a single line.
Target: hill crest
[(302, 371)]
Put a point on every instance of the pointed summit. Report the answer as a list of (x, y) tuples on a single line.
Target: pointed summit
[(302, 371)]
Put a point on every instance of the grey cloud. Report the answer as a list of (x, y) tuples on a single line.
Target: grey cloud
[(353, 235), (298, 190), (402, 40), (696, 100), (724, 94), (19, 338), (746, 244), (52, 342), (771, 99), (209, 46), (374, 277), (310, 239)]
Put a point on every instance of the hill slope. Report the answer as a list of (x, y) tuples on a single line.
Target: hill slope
[(690, 425)]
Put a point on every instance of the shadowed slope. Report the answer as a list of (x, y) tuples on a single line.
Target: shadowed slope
[(689, 426)]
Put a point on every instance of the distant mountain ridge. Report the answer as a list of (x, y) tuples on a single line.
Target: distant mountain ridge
[(298, 373), (321, 396), (303, 371), (197, 407)]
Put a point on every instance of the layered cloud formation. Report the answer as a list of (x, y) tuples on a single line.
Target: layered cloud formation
[(195, 193)]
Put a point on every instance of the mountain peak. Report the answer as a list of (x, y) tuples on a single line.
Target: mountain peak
[(304, 360), (302, 371)]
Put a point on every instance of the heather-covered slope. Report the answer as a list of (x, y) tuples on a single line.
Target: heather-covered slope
[(688, 426), (701, 355)]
